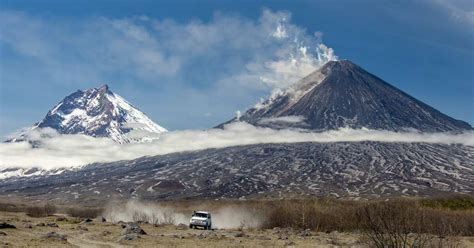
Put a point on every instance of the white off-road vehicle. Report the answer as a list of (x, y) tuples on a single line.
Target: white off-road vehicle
[(201, 219)]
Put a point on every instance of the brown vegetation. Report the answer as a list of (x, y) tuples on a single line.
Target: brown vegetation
[(84, 212), (339, 215), (396, 222), (391, 223), (403, 223), (41, 211), (10, 207)]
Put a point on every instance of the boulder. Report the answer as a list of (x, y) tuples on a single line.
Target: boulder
[(3, 233), (54, 235), (52, 224), (305, 233), (61, 218), (86, 221), (28, 225), (41, 224), (4, 225), (240, 235), (130, 236), (132, 227)]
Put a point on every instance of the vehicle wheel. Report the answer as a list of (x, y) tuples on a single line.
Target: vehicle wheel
[(191, 226)]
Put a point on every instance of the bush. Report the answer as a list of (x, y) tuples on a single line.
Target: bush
[(35, 211), (41, 211), (404, 223), (393, 224), (452, 203), (49, 209), (396, 218), (85, 212), (10, 207), (319, 215)]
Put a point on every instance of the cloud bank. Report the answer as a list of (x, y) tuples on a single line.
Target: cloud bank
[(58, 151)]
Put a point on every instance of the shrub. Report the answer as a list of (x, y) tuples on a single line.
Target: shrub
[(85, 212), (35, 211), (452, 203), (393, 224), (404, 223), (10, 207), (396, 218), (319, 215), (49, 209), (41, 211)]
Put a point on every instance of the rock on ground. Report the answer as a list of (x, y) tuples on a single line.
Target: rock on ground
[(4, 225), (181, 226), (52, 224), (132, 227), (130, 236), (54, 235)]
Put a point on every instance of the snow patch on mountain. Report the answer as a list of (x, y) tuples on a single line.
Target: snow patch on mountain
[(286, 119)]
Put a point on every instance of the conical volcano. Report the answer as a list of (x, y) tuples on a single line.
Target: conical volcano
[(342, 94)]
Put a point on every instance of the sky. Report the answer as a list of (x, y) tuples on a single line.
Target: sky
[(192, 65)]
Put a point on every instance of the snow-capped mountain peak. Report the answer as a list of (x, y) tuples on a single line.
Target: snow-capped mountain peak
[(99, 112)]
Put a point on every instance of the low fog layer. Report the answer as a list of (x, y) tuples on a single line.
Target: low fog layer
[(56, 151)]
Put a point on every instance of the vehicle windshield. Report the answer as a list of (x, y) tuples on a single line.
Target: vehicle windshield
[(200, 215)]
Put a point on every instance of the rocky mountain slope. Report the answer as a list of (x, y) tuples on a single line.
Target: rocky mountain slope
[(342, 94), (342, 169)]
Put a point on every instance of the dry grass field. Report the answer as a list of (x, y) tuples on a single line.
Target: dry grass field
[(99, 234), (260, 223)]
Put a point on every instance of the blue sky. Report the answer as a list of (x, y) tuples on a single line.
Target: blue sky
[(193, 65)]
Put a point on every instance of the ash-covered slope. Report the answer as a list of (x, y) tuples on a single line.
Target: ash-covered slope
[(99, 112), (342, 94), (341, 169)]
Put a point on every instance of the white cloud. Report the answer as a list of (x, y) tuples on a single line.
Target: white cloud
[(149, 49), (57, 151), (459, 10)]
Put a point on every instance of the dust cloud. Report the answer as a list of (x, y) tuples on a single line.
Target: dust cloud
[(223, 216)]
